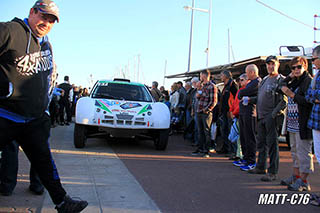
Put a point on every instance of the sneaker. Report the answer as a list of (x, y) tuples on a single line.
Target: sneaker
[(288, 181), (248, 167), (257, 171), (315, 201), (206, 155), (314, 196), (67, 123), (299, 186), (71, 206), (269, 177), (212, 151), (240, 163)]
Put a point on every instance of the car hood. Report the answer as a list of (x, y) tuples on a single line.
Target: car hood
[(123, 107)]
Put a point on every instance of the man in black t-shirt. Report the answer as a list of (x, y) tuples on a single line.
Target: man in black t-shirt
[(65, 101)]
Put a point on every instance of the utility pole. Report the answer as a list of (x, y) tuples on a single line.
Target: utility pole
[(165, 70), (191, 35)]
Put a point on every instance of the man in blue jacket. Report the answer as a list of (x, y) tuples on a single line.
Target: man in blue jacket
[(26, 80), (247, 118)]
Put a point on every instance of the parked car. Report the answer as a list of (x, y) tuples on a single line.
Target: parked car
[(121, 109)]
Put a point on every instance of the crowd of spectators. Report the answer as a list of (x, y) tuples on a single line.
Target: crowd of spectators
[(247, 119), (63, 104)]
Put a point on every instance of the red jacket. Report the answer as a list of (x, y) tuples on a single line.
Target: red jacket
[(234, 109)]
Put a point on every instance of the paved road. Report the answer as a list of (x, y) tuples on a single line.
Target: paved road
[(129, 176), (179, 182)]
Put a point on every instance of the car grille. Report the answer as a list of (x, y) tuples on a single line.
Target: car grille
[(124, 123), (124, 117)]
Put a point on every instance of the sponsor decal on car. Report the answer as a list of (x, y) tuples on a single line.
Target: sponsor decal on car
[(102, 105), (130, 105), (146, 108), (110, 103)]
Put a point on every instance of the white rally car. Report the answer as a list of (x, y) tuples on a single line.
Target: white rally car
[(120, 108)]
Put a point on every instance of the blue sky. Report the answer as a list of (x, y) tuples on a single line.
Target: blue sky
[(102, 37)]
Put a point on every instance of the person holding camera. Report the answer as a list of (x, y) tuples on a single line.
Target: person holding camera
[(295, 87)]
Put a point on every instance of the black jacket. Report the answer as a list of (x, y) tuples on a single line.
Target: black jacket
[(251, 90), (27, 66), (304, 107), (66, 87), (228, 95), (189, 96)]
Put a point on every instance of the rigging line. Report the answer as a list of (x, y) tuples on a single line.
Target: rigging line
[(289, 17)]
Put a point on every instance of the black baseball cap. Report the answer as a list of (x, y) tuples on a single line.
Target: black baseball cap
[(272, 58)]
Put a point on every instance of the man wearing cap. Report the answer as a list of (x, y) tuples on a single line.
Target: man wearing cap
[(26, 81), (270, 104)]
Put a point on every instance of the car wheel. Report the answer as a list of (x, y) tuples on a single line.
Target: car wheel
[(79, 138), (161, 139)]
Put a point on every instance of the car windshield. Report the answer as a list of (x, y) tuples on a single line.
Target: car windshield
[(119, 91)]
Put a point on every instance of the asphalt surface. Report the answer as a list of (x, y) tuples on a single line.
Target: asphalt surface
[(179, 182), (22, 200), (131, 176)]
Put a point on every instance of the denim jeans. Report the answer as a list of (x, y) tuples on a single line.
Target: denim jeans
[(188, 117), (196, 132), (204, 124), (188, 135), (268, 144)]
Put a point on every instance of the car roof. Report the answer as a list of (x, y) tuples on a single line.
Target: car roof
[(119, 81)]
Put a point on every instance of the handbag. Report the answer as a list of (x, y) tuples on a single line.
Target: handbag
[(234, 131)]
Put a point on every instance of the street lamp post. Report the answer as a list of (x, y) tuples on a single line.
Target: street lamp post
[(191, 35), (191, 31), (209, 34)]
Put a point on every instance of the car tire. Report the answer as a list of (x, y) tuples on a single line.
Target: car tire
[(161, 139), (79, 138)]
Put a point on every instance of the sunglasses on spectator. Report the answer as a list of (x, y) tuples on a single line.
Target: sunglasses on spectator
[(295, 67), (242, 79), (313, 59)]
